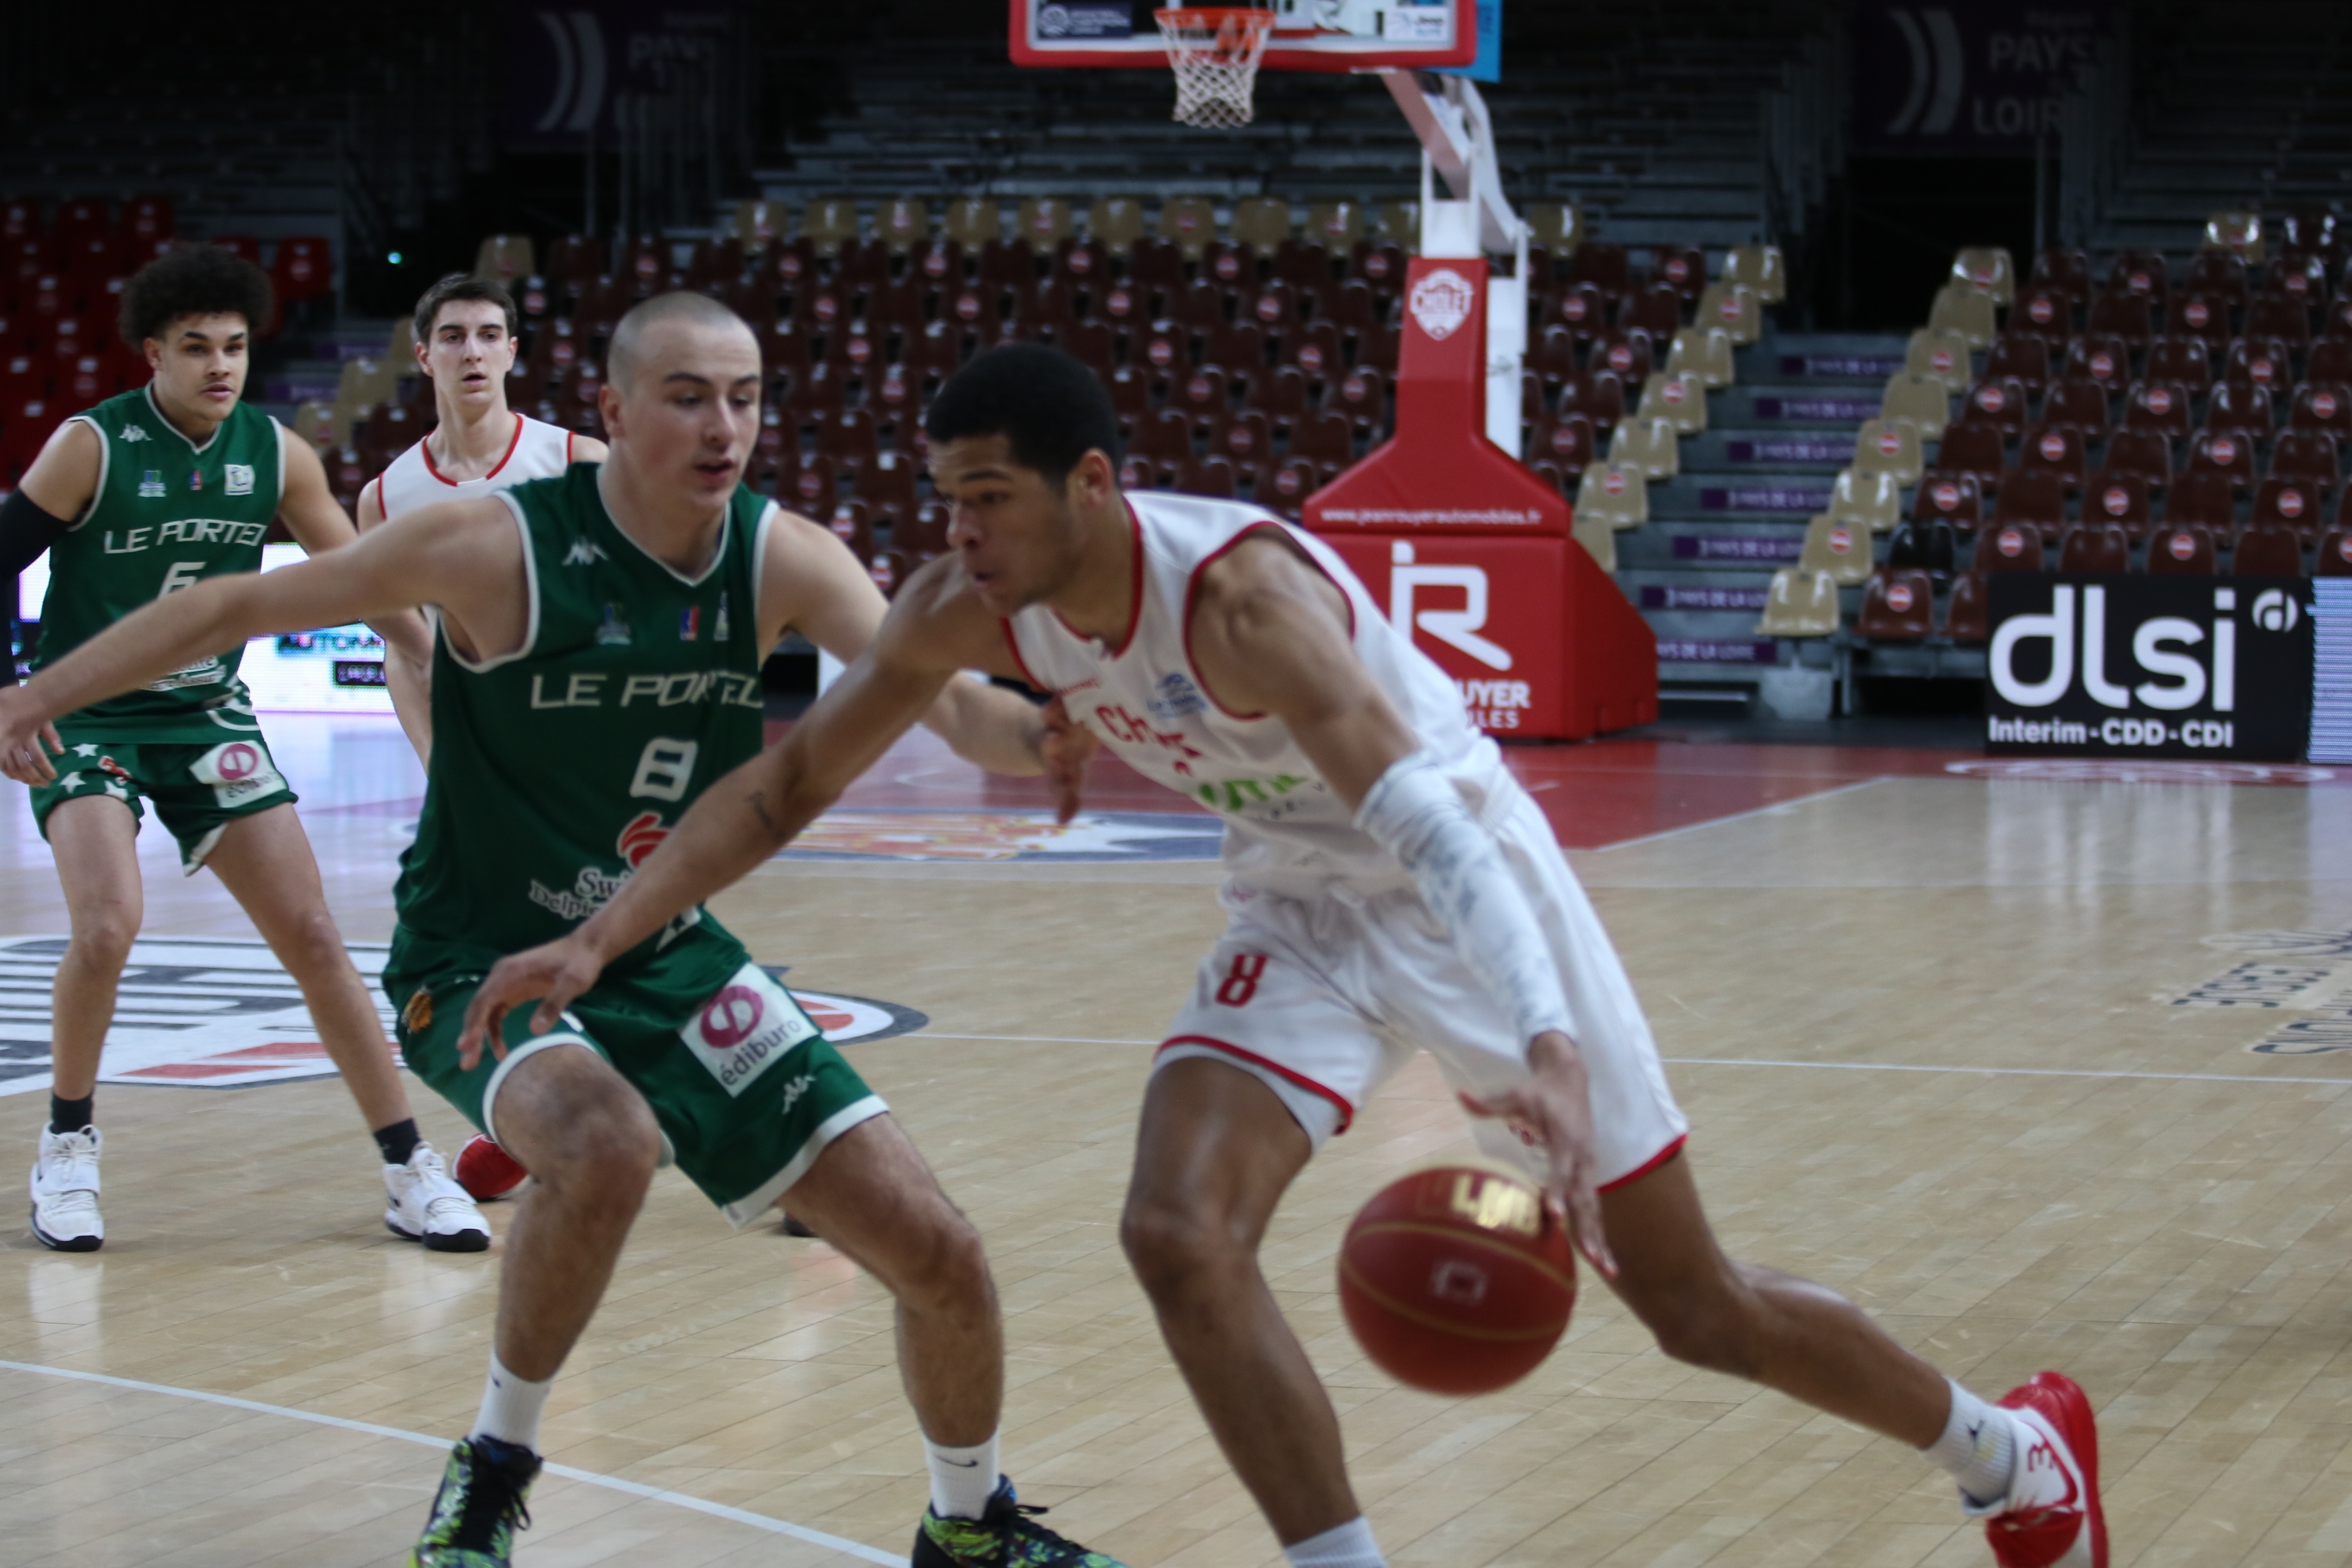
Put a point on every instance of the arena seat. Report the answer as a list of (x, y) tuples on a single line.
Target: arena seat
[(1313, 347), (2118, 497), (1245, 440), (1704, 353), (1625, 352), (2147, 453), (2181, 549), (1759, 267), (1839, 549), (2000, 402), (1955, 499), (1943, 356), (2322, 406), (2205, 315), (1283, 487), (2104, 357), (2294, 503), (902, 224), (1262, 222), (1988, 269), (2010, 547), (1734, 307), (1871, 500), (2262, 361), (1679, 399), (1898, 604), (2078, 402), (1189, 223), (2020, 357), (2117, 314), (2033, 498), (1565, 440), (1928, 546), (1361, 396), (972, 222), (303, 269), (1116, 221), (2158, 405), (2053, 449), (758, 223), (2286, 317), (1965, 311), (1967, 614), (1800, 603), (1648, 446), (2218, 272), (2240, 405), (1611, 494), (362, 384), (2308, 455), (2204, 495), (2144, 273), (1327, 439), (2096, 547), (2068, 267), (2045, 311), (1555, 225), (1888, 447), (2336, 554), (1598, 395), (2226, 451), (2330, 359), (1973, 448), (1580, 308), (1045, 221), (1923, 401), (828, 223)]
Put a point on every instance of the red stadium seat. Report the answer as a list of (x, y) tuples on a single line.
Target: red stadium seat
[(1326, 441), (1955, 499), (2012, 547), (1683, 269), (302, 270), (1625, 351), (1362, 396), (2322, 407), (2181, 549), (2261, 360), (1604, 266), (2045, 311), (1580, 308), (1239, 346), (2102, 356), (2204, 497), (1552, 357), (1599, 395), (1283, 487), (2307, 455), (1274, 307), (2331, 359), (1203, 396), (2032, 498), (1656, 310), (2147, 453), (2120, 498), (2016, 356), (1206, 477), (1231, 264), (2054, 449), (1244, 439), (2158, 405), (1166, 438), (2204, 315), (1974, 448), (2336, 554), (2139, 274), (1352, 307), (242, 245), (2128, 316), (2077, 401), (574, 257), (2095, 546), (2292, 503), (1898, 604), (2283, 316), (2000, 402), (1565, 440), (2188, 359), (1280, 393), (1130, 395), (2242, 405), (2220, 272), (2067, 268), (2225, 451), (1313, 347)]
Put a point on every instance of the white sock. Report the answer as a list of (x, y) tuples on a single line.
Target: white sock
[(963, 1479), (510, 1407), (1349, 1545), (1978, 1448)]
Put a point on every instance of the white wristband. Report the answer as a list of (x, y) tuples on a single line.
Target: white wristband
[(1415, 813)]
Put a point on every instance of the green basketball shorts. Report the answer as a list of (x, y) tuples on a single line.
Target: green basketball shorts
[(746, 1088), (197, 790)]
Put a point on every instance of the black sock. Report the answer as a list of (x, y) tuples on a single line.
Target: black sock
[(398, 1142), (71, 1115)]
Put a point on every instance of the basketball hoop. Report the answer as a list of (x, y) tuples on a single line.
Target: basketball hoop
[(1215, 52)]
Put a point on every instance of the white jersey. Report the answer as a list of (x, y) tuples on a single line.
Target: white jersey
[(1286, 833), (538, 451)]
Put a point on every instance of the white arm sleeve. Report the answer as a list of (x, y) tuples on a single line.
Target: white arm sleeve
[(1416, 815)]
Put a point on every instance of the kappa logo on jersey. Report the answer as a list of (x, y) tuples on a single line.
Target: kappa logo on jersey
[(1176, 697), (240, 479), (750, 1025), (583, 552), (134, 433)]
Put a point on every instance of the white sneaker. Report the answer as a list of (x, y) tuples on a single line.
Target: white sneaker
[(424, 1204), (65, 1191)]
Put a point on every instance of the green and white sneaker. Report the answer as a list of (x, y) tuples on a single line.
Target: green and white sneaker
[(478, 1507), (1007, 1536)]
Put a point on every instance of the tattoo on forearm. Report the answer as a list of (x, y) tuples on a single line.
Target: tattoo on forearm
[(757, 801)]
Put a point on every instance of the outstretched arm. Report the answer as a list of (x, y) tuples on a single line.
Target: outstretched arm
[(741, 821), (316, 521), (407, 674), (1270, 634)]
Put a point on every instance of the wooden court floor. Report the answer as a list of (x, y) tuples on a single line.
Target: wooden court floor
[(1977, 1050)]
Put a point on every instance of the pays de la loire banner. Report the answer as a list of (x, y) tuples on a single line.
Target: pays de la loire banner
[(1973, 77), (2149, 666)]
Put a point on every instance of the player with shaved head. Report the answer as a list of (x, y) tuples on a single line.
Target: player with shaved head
[(599, 638)]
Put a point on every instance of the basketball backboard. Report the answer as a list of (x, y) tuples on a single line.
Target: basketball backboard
[(1308, 35)]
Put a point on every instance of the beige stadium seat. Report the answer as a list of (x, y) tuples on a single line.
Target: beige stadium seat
[(1116, 221), (1262, 221), (2237, 231), (1800, 603), (1190, 223), (1734, 307), (1988, 268), (1964, 310), (1944, 356), (401, 351), (1650, 445), (1922, 400), (1874, 500), (1704, 353), (1676, 396), (1555, 225), (505, 256), (1046, 221), (760, 224), (973, 221), (903, 224), (829, 222), (1337, 225), (1399, 223), (364, 384), (1598, 537), (1761, 268), (1839, 548), (1885, 446), (324, 426), (1617, 496)]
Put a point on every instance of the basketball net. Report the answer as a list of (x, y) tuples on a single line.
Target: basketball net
[(1214, 53)]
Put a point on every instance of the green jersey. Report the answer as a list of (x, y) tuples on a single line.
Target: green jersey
[(558, 768), (166, 513)]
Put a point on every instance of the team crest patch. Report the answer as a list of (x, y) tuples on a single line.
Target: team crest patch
[(239, 478), (220, 1013), (150, 484), (418, 1016), (1176, 697), (612, 631)]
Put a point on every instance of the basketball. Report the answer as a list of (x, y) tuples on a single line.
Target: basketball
[(1458, 1279), (487, 1171)]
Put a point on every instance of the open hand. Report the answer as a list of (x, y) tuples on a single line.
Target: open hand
[(555, 972), (1067, 746), (1553, 1112), (23, 735)]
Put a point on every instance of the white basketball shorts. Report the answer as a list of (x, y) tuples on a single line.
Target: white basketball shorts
[(1323, 999)]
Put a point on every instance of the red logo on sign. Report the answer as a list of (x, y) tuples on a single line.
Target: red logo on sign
[(238, 762), (729, 1018)]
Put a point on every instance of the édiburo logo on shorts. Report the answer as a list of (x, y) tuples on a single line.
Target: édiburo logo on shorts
[(748, 1027), (2149, 666), (239, 772)]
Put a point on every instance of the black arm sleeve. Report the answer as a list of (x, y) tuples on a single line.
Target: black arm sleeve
[(25, 531)]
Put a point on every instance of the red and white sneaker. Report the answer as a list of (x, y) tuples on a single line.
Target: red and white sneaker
[(2052, 1517)]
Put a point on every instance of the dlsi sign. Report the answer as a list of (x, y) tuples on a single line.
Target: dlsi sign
[(2149, 666)]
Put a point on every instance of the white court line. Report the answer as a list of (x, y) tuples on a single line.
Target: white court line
[(1765, 1062), (1778, 808), (857, 1549)]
